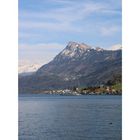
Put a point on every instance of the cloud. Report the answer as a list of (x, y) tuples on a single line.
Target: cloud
[(62, 18), (28, 35), (57, 26), (69, 13), (109, 31), (39, 53), (115, 47)]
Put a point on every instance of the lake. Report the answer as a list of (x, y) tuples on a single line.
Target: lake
[(46, 117)]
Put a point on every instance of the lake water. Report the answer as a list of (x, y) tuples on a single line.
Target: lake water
[(43, 117)]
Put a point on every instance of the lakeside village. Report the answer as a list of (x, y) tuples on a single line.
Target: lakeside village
[(99, 90)]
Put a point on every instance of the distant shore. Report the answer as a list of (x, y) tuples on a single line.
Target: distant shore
[(115, 89), (73, 93)]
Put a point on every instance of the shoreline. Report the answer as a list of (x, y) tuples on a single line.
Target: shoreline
[(101, 94)]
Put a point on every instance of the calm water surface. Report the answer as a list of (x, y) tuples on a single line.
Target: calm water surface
[(43, 117)]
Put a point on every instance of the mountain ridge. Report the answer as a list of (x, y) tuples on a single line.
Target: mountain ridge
[(77, 65)]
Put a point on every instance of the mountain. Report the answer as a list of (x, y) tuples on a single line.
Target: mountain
[(71, 54), (78, 65), (27, 68)]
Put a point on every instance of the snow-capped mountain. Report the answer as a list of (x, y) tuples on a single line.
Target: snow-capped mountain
[(75, 58), (76, 65), (73, 50), (28, 68)]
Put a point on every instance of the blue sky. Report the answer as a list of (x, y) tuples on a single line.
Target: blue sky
[(46, 26)]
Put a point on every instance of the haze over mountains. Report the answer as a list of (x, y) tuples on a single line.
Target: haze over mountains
[(78, 65)]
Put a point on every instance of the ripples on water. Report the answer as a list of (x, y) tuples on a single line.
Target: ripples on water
[(43, 117)]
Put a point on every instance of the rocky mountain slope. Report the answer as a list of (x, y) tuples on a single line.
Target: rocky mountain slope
[(78, 65)]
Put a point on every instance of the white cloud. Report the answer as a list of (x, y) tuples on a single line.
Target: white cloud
[(115, 47), (49, 26), (28, 35), (108, 31), (71, 17), (39, 53), (64, 18), (69, 12)]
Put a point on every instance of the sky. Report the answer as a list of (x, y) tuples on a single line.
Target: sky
[(46, 26)]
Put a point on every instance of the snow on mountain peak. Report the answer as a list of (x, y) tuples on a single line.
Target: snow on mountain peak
[(27, 67), (75, 45), (74, 49), (99, 49)]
